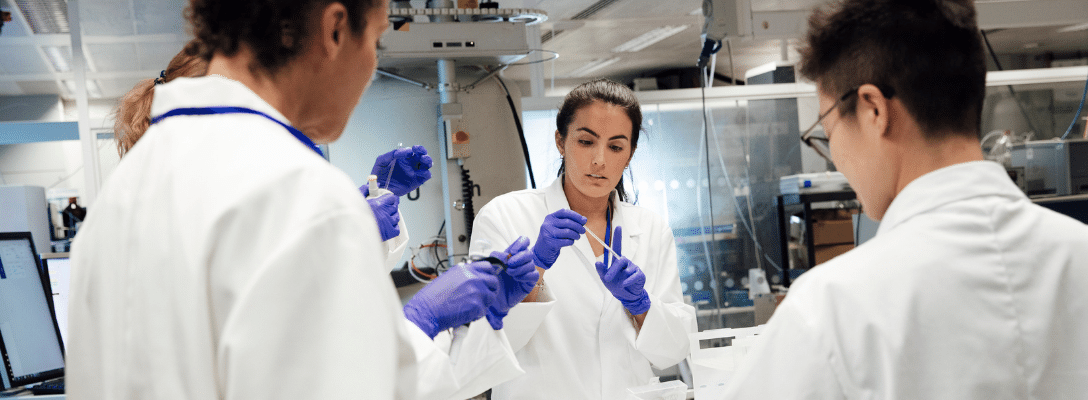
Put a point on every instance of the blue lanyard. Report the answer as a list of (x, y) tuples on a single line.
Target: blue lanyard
[(608, 228), (238, 110)]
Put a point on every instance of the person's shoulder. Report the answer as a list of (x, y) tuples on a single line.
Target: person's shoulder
[(519, 199), (645, 216)]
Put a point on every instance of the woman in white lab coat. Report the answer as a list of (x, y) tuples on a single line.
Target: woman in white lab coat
[(225, 258), (594, 324)]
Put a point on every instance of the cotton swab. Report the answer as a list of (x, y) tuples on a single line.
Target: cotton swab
[(602, 243)]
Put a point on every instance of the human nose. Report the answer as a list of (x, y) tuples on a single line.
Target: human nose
[(598, 156)]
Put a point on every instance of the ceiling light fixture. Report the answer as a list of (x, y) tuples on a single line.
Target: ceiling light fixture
[(60, 57), (45, 16), (93, 90), (649, 38), (1074, 28), (594, 66)]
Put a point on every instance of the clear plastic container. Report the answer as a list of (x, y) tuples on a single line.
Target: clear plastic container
[(671, 390)]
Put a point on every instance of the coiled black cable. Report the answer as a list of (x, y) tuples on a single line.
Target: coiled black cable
[(466, 199)]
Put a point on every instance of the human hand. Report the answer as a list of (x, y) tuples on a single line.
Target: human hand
[(624, 279), (515, 282), (457, 297), (410, 168), (386, 214), (560, 229)]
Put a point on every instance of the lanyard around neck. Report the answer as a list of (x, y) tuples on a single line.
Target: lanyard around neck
[(238, 110)]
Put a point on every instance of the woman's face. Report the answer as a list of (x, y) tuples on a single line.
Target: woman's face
[(597, 148)]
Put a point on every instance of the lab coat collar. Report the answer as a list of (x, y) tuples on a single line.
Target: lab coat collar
[(209, 91), (947, 185), (556, 199)]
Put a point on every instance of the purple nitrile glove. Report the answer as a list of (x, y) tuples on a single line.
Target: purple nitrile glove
[(560, 229), (410, 168), (387, 215), (624, 279), (457, 297), (515, 282)]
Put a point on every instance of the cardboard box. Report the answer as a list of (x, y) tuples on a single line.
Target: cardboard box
[(835, 231), (827, 252)]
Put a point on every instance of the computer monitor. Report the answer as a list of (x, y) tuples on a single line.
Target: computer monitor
[(57, 268), (32, 350)]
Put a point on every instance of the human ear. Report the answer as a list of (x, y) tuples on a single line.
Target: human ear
[(559, 143), (872, 109), (333, 27)]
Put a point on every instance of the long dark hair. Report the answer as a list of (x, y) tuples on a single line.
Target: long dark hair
[(608, 92)]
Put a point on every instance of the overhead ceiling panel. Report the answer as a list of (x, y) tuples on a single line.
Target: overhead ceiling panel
[(160, 16), (10, 89), (115, 88), (16, 27), (40, 87), (114, 57), (642, 9), (106, 17), (155, 56), (45, 16), (1038, 40), (22, 60)]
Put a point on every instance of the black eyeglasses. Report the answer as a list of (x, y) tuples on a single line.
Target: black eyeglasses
[(821, 144)]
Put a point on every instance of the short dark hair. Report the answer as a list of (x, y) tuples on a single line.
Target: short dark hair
[(276, 30), (928, 51), (608, 92)]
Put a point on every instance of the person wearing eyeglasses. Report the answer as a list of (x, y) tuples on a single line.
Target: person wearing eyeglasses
[(968, 290)]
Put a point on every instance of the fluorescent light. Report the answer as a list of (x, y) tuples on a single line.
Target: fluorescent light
[(1074, 28), (60, 57), (93, 90), (45, 16), (593, 66), (649, 38)]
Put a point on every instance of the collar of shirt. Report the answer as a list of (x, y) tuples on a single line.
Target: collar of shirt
[(209, 91), (947, 185)]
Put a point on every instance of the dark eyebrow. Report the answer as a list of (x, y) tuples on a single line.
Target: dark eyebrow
[(591, 132)]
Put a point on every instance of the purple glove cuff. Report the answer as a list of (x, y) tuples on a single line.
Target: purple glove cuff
[(639, 306), (427, 324)]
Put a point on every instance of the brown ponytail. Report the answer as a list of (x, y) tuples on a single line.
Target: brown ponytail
[(133, 114)]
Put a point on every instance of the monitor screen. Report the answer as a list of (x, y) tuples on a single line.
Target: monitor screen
[(33, 352), (58, 284)]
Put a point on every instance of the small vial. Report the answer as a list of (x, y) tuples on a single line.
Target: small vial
[(372, 184)]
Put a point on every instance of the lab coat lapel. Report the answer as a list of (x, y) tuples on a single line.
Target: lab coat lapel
[(631, 228)]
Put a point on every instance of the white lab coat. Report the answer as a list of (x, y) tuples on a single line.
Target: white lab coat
[(968, 291), (583, 345), (224, 259)]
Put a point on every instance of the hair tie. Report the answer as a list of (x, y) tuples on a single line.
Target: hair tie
[(162, 78)]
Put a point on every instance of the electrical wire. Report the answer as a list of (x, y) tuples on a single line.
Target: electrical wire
[(1079, 109), (521, 131), (740, 213), (555, 56), (710, 199)]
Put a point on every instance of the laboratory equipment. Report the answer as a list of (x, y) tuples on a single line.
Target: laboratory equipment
[(31, 348), (427, 42), (670, 390), (813, 183), (1051, 167), (24, 209), (714, 364), (58, 269)]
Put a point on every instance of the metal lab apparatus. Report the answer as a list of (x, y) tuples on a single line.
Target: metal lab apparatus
[(1051, 167)]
